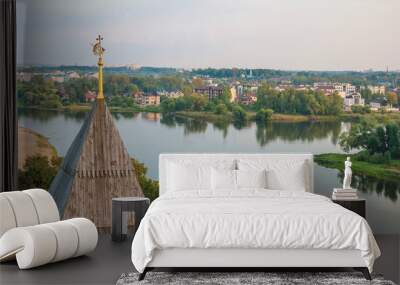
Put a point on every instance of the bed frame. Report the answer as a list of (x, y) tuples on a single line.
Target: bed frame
[(246, 259), (259, 259)]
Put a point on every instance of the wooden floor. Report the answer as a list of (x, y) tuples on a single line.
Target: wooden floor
[(110, 260)]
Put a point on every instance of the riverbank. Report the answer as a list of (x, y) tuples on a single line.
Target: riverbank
[(31, 143), (88, 107), (389, 171), (212, 117)]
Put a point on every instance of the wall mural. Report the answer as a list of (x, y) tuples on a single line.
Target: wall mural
[(92, 132)]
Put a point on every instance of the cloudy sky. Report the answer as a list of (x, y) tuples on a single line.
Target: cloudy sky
[(279, 34)]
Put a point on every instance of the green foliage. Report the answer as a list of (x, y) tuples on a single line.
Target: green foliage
[(360, 109), (168, 106), (361, 165), (198, 102), (380, 142), (392, 98), (38, 92), (122, 101), (239, 114), (38, 172), (75, 89), (119, 84), (221, 109), (153, 84), (193, 102), (303, 102), (264, 115), (148, 185)]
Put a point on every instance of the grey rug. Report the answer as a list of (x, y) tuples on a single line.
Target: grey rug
[(228, 278)]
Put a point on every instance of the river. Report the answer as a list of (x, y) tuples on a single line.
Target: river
[(146, 135)]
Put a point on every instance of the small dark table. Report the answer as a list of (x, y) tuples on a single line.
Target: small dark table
[(357, 205), (120, 208)]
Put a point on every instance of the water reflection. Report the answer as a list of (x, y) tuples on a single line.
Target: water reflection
[(168, 120), (239, 125), (154, 117), (190, 126), (222, 126), (47, 115), (124, 115), (304, 131)]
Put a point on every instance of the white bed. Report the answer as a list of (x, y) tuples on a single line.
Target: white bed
[(280, 225)]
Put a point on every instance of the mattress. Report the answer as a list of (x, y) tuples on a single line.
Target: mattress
[(250, 219)]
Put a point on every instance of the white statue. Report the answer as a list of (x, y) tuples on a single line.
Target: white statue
[(347, 174)]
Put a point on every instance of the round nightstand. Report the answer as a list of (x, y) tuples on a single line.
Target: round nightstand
[(120, 207)]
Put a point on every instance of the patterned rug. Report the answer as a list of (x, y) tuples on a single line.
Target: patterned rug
[(243, 278)]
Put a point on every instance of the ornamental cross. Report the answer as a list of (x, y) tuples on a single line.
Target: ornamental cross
[(97, 48), (99, 39)]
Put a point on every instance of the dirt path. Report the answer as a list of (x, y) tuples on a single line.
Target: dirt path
[(31, 143)]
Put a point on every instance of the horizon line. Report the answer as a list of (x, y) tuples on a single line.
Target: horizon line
[(209, 67)]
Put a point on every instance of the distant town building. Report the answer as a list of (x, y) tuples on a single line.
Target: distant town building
[(210, 91), (146, 99), (233, 94), (376, 89), (133, 66), (328, 90), (93, 75), (90, 96), (23, 76), (375, 106), (353, 100), (248, 98), (345, 89), (59, 79), (57, 73), (172, 94), (73, 75)]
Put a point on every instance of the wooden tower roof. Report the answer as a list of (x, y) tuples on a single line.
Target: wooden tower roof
[(96, 168)]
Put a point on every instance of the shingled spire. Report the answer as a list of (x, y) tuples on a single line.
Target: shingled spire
[(97, 166)]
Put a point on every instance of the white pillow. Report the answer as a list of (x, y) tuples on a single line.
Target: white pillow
[(188, 177), (282, 174), (223, 179), (280, 180), (251, 178)]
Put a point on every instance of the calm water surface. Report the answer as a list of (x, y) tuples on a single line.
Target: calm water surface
[(146, 135)]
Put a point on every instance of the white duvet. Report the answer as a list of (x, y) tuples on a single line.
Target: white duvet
[(250, 219)]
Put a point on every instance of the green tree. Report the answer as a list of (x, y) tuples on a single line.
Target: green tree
[(168, 106), (149, 186), (383, 140), (264, 115), (360, 109), (198, 102), (221, 109), (38, 172), (392, 98), (239, 114), (39, 92)]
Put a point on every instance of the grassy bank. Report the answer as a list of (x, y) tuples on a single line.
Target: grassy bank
[(87, 107), (31, 143), (212, 117), (380, 117), (389, 171), (206, 116)]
